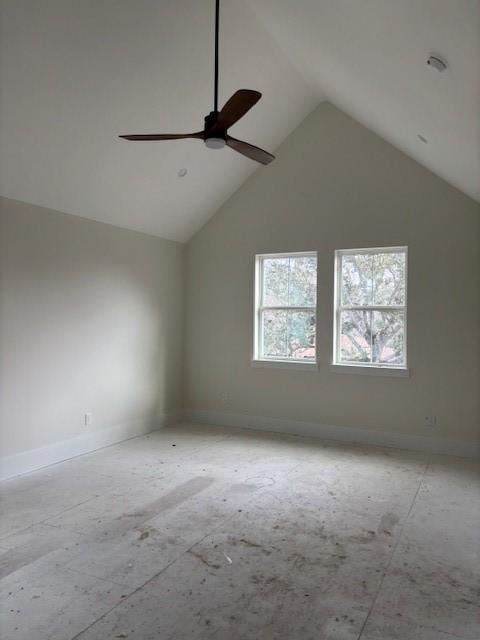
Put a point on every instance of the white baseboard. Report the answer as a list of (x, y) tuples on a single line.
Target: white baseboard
[(34, 459), (11, 466), (342, 434)]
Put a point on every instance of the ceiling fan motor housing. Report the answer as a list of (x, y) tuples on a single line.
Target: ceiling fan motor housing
[(210, 120), (210, 125), (218, 138)]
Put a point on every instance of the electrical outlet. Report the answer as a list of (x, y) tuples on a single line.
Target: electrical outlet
[(224, 399), (87, 419), (430, 422)]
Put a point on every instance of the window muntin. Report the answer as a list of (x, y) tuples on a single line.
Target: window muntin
[(371, 307), (285, 307)]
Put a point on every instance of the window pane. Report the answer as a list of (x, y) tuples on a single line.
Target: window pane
[(303, 281), (290, 282), (301, 334), (388, 337), (389, 279), (357, 284), (275, 282), (355, 336), (274, 331)]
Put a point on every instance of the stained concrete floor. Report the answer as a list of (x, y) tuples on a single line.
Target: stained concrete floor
[(220, 534)]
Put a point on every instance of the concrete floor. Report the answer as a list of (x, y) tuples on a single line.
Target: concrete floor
[(203, 532)]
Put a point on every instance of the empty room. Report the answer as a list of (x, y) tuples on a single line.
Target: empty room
[(239, 319)]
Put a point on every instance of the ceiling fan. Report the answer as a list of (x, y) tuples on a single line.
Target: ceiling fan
[(215, 131)]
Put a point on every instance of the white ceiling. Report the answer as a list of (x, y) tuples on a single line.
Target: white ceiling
[(369, 58), (76, 74)]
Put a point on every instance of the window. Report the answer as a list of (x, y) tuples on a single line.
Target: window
[(285, 307), (371, 307)]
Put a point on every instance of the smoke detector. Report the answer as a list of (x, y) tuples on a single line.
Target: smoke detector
[(437, 62)]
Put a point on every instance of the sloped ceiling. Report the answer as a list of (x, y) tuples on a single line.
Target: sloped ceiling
[(76, 74), (369, 58)]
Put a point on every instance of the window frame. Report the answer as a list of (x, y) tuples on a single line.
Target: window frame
[(338, 308), (258, 358)]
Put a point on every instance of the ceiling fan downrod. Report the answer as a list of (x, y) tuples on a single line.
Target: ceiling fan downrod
[(217, 14), (215, 141)]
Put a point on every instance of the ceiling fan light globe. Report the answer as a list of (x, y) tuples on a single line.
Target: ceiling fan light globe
[(215, 143)]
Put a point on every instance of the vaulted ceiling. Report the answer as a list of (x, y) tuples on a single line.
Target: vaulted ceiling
[(369, 58), (74, 75)]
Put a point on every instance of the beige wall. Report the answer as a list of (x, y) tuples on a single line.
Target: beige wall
[(90, 321), (336, 185)]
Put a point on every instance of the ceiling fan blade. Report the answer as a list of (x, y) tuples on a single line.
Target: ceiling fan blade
[(249, 150), (162, 136), (238, 105)]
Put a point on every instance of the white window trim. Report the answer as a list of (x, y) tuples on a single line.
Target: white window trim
[(270, 363), (279, 363), (372, 368), (369, 370)]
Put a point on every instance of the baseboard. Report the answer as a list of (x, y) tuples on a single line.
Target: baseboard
[(11, 466), (342, 434), (27, 461)]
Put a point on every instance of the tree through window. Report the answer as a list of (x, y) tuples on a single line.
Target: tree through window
[(285, 310), (371, 307)]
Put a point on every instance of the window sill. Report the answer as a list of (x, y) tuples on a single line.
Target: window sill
[(285, 364), (394, 372)]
